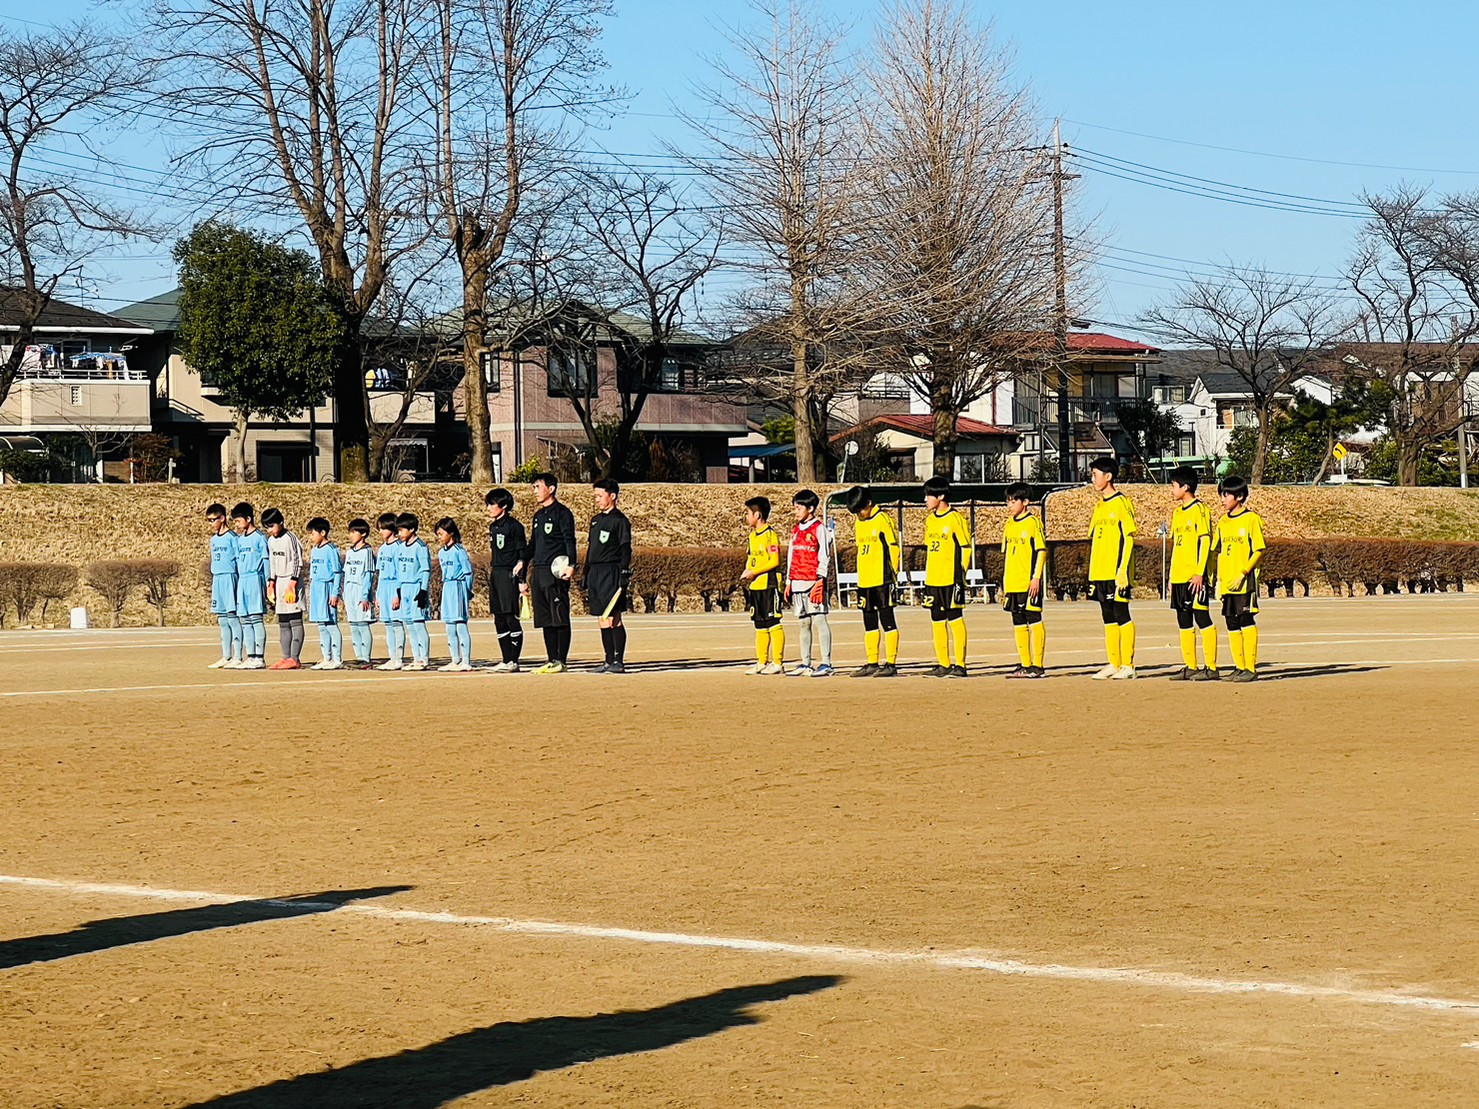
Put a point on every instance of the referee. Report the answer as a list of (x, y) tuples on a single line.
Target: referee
[(608, 570), (551, 535)]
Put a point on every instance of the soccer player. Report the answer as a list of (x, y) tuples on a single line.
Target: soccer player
[(325, 587), (947, 541), (253, 571), (507, 542), (223, 588), (1024, 558), (413, 580), (359, 590), (878, 566), (1191, 531), (284, 588), (808, 564), (1240, 546), (551, 536), (1112, 568), (388, 591), (608, 573), (762, 587), (456, 593)]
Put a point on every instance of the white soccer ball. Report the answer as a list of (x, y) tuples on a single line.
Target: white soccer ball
[(559, 566)]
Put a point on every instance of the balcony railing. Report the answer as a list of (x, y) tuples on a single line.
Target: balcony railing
[(75, 374), (1081, 410)]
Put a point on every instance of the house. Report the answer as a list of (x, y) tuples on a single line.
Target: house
[(76, 380), (907, 442)]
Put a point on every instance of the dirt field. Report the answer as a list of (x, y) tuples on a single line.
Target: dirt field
[(690, 887)]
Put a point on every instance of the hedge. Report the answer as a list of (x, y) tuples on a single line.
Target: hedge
[(23, 585)]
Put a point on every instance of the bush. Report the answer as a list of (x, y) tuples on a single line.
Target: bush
[(710, 573), (25, 465), (24, 584), (56, 583), (113, 580), (156, 576), (523, 473)]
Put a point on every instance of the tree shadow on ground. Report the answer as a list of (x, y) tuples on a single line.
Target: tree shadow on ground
[(500, 1054), (100, 935)]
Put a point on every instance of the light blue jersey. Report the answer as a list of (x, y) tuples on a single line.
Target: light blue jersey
[(253, 565), (223, 574), (325, 583), (456, 582), (387, 562), (359, 584), (413, 577)]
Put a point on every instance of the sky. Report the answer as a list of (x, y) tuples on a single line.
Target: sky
[(1290, 105)]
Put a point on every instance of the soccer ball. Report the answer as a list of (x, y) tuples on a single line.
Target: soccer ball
[(560, 566)]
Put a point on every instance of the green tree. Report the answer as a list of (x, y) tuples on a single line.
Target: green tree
[(256, 323), (1151, 429)]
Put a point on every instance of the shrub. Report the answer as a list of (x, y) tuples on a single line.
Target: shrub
[(524, 472), (113, 580), (156, 576), (18, 587), (56, 583)]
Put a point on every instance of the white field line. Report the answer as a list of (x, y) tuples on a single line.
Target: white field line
[(947, 960)]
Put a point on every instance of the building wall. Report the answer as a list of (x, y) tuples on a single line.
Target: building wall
[(46, 405)]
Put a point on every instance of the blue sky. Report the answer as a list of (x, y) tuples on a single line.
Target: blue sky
[(1310, 100)]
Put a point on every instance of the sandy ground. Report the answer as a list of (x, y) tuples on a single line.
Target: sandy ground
[(690, 887)]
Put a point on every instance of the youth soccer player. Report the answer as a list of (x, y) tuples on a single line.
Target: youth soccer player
[(608, 572), (877, 542), (1240, 546), (1191, 532), (551, 536), (1112, 568), (253, 571), (223, 588), (507, 542), (325, 587), (762, 587), (388, 591), (284, 588), (947, 541), (413, 579), (808, 564), (359, 592), (456, 593), (1024, 558)]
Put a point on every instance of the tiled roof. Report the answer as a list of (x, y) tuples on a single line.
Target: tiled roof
[(61, 314), (1100, 343)]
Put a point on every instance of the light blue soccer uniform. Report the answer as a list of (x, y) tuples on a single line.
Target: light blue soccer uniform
[(325, 586), (387, 588), (359, 609), (413, 578), (223, 594), (456, 600), (253, 565)]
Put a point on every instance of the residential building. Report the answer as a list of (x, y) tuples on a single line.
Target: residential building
[(907, 442)]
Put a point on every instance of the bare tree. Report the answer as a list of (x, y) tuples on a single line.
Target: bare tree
[(781, 126), (957, 243), (302, 105), (1268, 329), (54, 86)]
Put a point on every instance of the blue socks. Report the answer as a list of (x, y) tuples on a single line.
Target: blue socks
[(231, 638), (364, 644), (459, 642)]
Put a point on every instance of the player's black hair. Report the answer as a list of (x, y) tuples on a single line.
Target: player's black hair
[(360, 524), (1185, 475), (318, 524), (449, 525), (937, 486), (244, 511), (271, 516), (501, 497), (806, 497), (1019, 491), (215, 509), (548, 478), (858, 499), (386, 521), (607, 485), (1106, 464), (1234, 485), (760, 505), (408, 521)]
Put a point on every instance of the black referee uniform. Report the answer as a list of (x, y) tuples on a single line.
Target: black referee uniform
[(608, 564), (551, 533), (507, 545)]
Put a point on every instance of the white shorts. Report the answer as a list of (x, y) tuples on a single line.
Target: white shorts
[(801, 603)]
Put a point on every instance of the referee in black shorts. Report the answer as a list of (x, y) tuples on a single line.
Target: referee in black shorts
[(608, 570), (551, 536)]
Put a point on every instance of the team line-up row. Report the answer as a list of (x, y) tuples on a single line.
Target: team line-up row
[(531, 573)]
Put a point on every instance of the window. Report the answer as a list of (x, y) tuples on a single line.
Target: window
[(492, 370), (1168, 394), (76, 397), (1235, 413), (571, 370), (886, 386), (677, 376)]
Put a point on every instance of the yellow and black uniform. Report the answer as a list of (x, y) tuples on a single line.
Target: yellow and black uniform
[(1111, 570), (1240, 545), (878, 567), (1025, 555), (947, 542), (763, 594), (1191, 538)]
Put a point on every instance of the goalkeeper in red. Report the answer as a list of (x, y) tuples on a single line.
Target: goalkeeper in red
[(878, 567), (808, 566), (1240, 546)]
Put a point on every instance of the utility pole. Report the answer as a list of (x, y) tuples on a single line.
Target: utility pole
[(1060, 308)]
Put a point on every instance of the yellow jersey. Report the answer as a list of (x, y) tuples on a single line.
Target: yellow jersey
[(1239, 542), (765, 557), (1191, 532), (1023, 544), (947, 545), (878, 549), (1111, 538)]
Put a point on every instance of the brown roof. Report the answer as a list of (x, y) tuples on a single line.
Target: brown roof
[(61, 315)]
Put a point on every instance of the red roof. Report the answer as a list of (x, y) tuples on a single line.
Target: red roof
[(924, 426), (1098, 341)]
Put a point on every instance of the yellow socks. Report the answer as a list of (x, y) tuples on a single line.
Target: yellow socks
[(1235, 644), (1209, 647), (957, 629), (1189, 648), (777, 644), (1112, 644), (942, 642), (762, 644), (1250, 647), (1024, 644), (891, 646), (870, 643), (1039, 642), (1127, 644)]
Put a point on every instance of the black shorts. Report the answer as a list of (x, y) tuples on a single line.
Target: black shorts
[(1186, 599), (874, 598), (603, 589), (1240, 604), (503, 591), (1102, 591), (764, 607), (551, 599), (943, 598), (1022, 602)]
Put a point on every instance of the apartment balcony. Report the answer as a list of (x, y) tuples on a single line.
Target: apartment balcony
[(1029, 412), (69, 399)]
